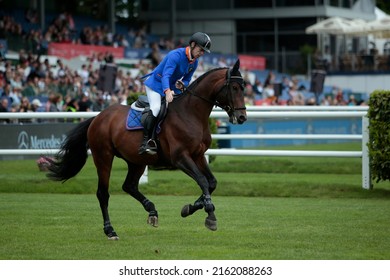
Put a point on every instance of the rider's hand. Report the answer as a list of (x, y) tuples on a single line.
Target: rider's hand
[(169, 95)]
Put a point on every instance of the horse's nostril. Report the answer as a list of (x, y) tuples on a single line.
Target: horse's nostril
[(242, 118)]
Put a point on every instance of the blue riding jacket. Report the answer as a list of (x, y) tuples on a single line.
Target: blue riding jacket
[(176, 65)]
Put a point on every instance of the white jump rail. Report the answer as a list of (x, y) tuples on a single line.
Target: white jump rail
[(262, 112), (303, 108), (214, 114)]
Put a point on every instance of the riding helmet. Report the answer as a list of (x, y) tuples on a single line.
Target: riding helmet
[(201, 39)]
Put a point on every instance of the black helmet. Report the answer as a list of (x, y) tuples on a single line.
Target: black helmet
[(201, 39)]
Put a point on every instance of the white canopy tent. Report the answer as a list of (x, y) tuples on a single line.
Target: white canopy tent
[(379, 28), (341, 28), (375, 32), (337, 26), (378, 31)]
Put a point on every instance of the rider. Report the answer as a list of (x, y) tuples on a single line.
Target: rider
[(171, 76)]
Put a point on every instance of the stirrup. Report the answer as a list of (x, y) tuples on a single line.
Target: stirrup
[(151, 147)]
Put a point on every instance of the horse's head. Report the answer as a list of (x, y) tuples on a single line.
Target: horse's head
[(232, 101)]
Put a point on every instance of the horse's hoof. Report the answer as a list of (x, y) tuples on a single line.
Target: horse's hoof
[(185, 211), (112, 236), (211, 224), (153, 221)]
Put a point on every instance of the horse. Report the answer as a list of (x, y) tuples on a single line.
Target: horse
[(183, 139)]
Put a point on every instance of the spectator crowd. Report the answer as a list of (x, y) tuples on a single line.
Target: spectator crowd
[(292, 92), (31, 86)]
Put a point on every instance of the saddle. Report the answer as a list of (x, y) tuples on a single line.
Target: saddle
[(139, 110)]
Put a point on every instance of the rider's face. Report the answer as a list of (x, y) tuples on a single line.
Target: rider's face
[(197, 52)]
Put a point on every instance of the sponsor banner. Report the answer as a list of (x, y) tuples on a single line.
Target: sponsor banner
[(251, 62), (34, 136), (248, 62), (69, 51)]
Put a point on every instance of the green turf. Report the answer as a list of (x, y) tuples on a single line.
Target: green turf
[(236, 175), (61, 226)]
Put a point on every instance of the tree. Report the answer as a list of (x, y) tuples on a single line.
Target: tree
[(384, 5)]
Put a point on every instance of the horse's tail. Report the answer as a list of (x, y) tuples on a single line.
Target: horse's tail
[(73, 154)]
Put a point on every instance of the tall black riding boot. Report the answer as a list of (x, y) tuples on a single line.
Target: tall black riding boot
[(148, 145)]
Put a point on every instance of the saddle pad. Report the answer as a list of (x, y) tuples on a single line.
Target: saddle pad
[(133, 120)]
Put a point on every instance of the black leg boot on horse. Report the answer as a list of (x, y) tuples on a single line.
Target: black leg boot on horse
[(148, 145)]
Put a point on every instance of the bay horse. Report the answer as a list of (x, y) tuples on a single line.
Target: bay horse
[(182, 142)]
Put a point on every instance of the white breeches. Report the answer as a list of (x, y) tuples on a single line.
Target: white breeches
[(154, 101)]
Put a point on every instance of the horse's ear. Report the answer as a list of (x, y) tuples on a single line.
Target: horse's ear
[(236, 65)]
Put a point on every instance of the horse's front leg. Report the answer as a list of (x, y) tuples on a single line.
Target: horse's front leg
[(211, 220), (190, 209), (202, 175)]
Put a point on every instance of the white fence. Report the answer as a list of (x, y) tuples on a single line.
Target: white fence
[(263, 112)]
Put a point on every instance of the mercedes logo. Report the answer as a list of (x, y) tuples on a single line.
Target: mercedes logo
[(23, 140)]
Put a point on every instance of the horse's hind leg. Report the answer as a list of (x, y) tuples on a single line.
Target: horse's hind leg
[(103, 167), (131, 187), (103, 197)]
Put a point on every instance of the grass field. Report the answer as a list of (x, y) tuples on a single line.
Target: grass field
[(57, 226), (267, 208)]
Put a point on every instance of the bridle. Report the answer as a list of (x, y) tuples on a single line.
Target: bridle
[(229, 80)]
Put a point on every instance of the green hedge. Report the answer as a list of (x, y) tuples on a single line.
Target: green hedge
[(379, 133)]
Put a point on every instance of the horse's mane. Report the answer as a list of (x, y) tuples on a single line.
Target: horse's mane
[(204, 75)]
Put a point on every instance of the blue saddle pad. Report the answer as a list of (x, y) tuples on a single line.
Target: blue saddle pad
[(133, 120)]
